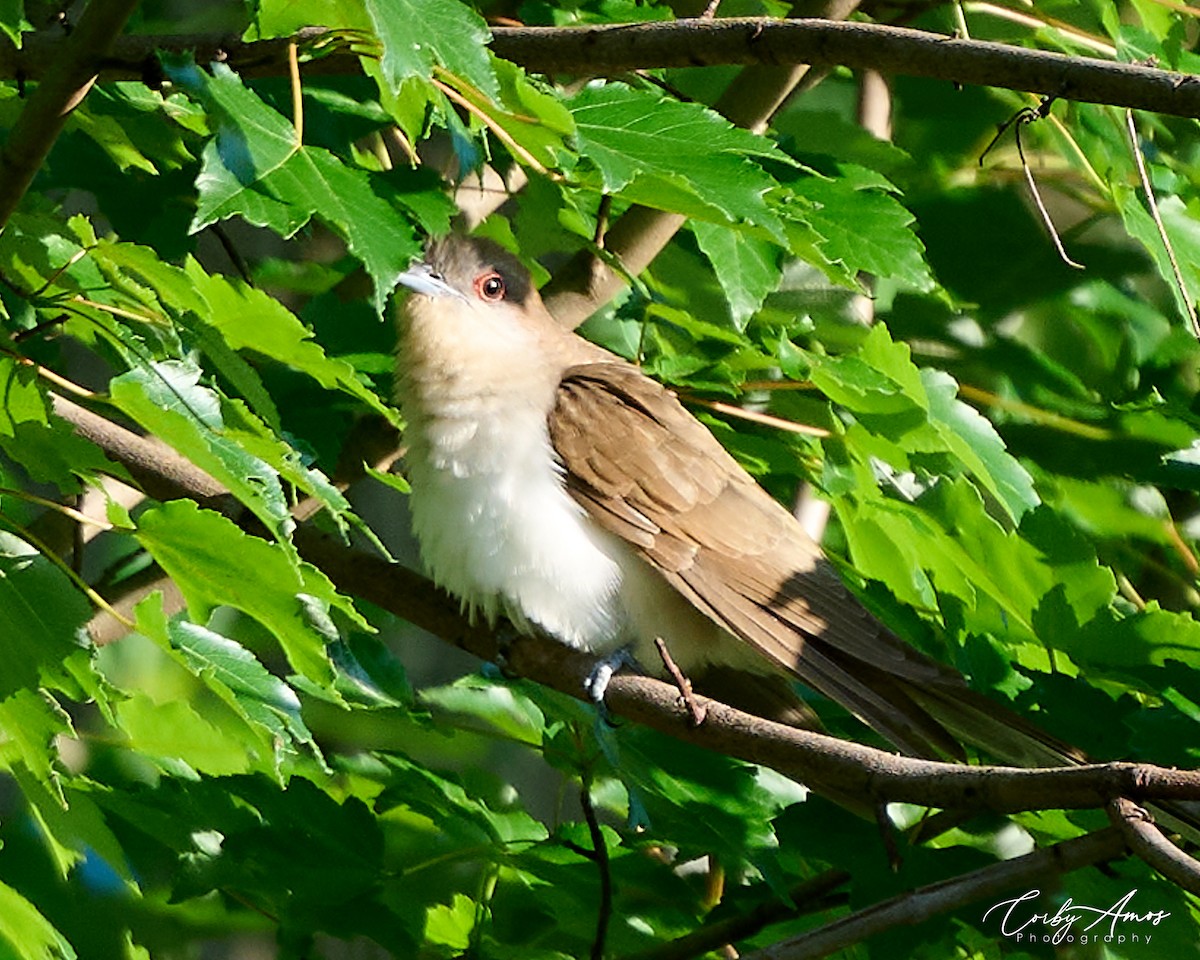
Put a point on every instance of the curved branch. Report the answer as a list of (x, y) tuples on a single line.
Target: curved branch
[(1149, 844), (838, 766), (937, 899), (619, 48)]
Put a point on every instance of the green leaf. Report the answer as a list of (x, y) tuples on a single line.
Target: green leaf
[(972, 439), (167, 399), (214, 563), (30, 720), (418, 35), (747, 268), (25, 932), (12, 20), (255, 169), (862, 227), (248, 319), (175, 730), (42, 618), (259, 698), (1183, 232), (674, 156), (44, 445)]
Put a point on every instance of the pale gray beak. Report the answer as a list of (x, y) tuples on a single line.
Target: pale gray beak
[(421, 278)]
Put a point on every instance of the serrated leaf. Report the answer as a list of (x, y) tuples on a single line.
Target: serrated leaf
[(248, 319), (175, 730), (255, 169), (29, 722), (971, 438), (1183, 232), (42, 617), (863, 228), (674, 156), (747, 267), (166, 398), (214, 563), (536, 123), (235, 675), (26, 932), (418, 35), (45, 446)]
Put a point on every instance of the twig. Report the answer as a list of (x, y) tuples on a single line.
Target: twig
[(753, 416), (807, 897), (67, 80), (81, 584), (518, 151), (1047, 418), (297, 93), (1149, 844), (231, 251), (600, 851), (1148, 189), (684, 685), (940, 898), (76, 515)]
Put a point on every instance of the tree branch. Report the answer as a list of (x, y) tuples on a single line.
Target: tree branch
[(619, 48), (806, 897), (67, 79), (936, 899), (840, 766)]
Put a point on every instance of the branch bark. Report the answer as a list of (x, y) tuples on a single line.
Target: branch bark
[(620, 48), (836, 765), (67, 79), (937, 899)]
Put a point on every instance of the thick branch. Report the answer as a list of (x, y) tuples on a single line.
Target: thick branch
[(837, 765), (68, 78), (610, 49)]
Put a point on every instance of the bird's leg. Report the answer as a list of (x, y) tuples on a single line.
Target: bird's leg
[(505, 635), (597, 680), (887, 830), (698, 710)]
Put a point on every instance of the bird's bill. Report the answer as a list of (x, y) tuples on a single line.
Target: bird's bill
[(421, 278)]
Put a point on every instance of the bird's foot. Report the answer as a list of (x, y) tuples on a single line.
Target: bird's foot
[(598, 679), (505, 635)]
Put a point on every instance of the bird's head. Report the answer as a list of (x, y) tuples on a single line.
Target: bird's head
[(473, 271)]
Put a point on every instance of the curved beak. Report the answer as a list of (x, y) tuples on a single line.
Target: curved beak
[(421, 278)]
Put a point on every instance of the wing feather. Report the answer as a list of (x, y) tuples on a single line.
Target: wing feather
[(649, 472)]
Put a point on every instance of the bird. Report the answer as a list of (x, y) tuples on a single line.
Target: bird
[(556, 485)]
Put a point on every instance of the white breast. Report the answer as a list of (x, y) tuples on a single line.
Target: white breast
[(498, 529)]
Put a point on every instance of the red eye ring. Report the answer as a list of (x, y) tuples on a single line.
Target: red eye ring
[(490, 287)]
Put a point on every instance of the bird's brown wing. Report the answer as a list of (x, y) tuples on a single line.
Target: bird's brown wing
[(648, 471)]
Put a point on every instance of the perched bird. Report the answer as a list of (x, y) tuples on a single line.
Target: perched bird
[(555, 484)]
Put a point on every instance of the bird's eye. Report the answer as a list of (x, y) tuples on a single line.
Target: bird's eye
[(490, 287)]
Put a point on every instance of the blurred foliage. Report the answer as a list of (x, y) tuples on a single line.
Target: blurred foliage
[(1012, 460)]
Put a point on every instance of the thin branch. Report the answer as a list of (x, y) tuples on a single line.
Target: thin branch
[(1148, 189), (67, 79), (297, 93), (924, 903), (753, 416), (621, 48), (807, 897), (1145, 840), (600, 856)]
